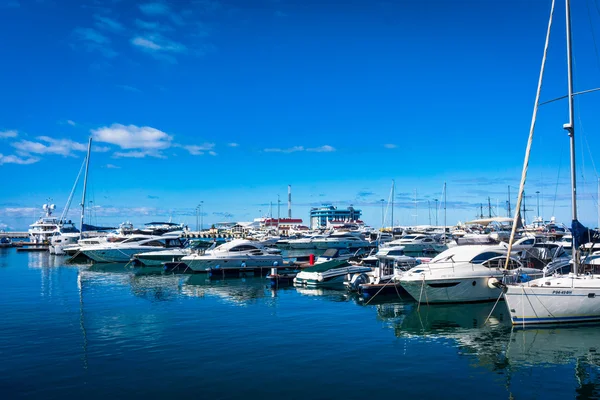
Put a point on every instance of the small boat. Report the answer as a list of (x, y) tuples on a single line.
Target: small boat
[(328, 273), (5, 242), (390, 262)]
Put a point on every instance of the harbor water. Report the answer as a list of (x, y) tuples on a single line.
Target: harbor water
[(71, 331)]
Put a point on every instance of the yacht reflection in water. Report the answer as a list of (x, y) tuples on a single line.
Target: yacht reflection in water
[(508, 351), (235, 290)]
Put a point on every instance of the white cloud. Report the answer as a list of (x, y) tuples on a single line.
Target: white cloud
[(12, 159), (196, 150), (288, 150), (94, 41), (323, 149), (212, 153), (63, 147), (19, 211), (390, 146), (154, 8), (108, 24), (233, 144), (157, 43), (8, 134), (138, 154), (100, 149), (143, 141), (70, 122), (111, 166)]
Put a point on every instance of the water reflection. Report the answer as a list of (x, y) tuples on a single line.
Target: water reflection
[(500, 348), (236, 290)]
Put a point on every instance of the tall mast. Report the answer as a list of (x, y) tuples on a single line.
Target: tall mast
[(444, 212), (570, 128), (393, 185), (87, 166), (509, 210)]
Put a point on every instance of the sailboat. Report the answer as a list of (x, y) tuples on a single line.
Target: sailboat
[(64, 238), (560, 298)]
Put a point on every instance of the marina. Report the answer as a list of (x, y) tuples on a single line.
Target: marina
[(300, 200)]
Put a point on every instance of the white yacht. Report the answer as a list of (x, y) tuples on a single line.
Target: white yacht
[(158, 258), (419, 243), (236, 254), (305, 242), (338, 240), (48, 225), (462, 274), (124, 250)]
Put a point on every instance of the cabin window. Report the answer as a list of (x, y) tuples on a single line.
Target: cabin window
[(242, 248), (480, 258), (153, 243)]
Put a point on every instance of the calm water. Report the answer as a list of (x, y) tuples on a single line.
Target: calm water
[(72, 331)]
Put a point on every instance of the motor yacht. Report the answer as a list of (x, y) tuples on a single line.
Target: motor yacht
[(462, 274), (236, 254), (42, 230), (158, 258), (419, 243), (337, 240), (123, 251)]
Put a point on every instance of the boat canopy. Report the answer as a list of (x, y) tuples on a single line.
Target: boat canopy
[(327, 265)]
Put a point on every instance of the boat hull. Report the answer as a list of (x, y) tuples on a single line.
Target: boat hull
[(156, 259), (114, 254), (454, 290), (206, 264), (529, 305)]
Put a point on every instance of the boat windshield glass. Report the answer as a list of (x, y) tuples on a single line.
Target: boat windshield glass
[(480, 258)]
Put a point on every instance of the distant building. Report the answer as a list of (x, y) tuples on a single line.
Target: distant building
[(321, 217)]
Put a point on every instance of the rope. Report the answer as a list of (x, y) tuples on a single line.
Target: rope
[(421, 294), (383, 287), (493, 308)]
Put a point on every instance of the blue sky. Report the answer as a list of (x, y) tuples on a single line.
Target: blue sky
[(228, 102)]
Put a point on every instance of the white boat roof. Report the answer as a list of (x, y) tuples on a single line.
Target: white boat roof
[(237, 242), (466, 253)]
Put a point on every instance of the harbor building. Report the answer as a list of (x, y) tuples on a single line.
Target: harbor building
[(321, 216)]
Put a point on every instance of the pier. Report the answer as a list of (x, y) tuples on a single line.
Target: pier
[(14, 235)]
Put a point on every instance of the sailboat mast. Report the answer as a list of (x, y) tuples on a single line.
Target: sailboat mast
[(393, 186), (571, 131), (570, 126), (87, 166), (444, 212)]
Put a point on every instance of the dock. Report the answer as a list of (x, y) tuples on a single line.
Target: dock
[(14, 235)]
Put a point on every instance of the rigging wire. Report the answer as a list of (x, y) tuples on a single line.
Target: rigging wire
[(592, 28)]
